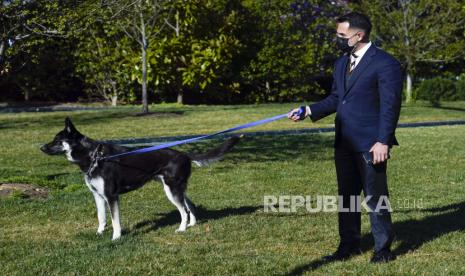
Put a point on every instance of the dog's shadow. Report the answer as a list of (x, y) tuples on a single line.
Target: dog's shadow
[(411, 233), (272, 148), (202, 214)]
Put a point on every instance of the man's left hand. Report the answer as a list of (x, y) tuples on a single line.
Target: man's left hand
[(380, 152)]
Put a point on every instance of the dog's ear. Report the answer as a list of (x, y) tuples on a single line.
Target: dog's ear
[(69, 127)]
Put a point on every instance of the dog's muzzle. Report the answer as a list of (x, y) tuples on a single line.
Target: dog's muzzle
[(50, 150), (44, 148)]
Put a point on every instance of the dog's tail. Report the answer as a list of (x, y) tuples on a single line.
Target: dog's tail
[(205, 159)]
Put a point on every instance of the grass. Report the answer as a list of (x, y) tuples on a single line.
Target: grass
[(234, 235)]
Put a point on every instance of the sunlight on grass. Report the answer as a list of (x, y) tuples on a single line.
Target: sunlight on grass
[(234, 235)]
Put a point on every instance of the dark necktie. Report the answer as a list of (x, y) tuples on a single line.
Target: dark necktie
[(352, 63)]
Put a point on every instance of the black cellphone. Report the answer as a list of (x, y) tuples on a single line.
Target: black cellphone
[(368, 157)]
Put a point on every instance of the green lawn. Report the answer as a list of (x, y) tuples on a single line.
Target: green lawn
[(234, 234)]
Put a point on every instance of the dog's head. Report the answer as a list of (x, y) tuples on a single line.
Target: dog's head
[(64, 140)]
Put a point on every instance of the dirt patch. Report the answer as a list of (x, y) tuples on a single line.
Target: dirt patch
[(22, 190)]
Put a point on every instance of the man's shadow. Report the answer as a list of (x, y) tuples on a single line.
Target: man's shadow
[(202, 214), (412, 233)]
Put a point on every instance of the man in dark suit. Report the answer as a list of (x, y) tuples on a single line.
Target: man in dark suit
[(366, 96)]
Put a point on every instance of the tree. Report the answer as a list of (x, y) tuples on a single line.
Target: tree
[(142, 21), (295, 48), (102, 59), (418, 32), (29, 28), (103, 54), (197, 47)]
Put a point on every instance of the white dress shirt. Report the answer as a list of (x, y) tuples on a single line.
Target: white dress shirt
[(359, 53)]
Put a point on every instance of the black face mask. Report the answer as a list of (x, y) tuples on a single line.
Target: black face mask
[(343, 44)]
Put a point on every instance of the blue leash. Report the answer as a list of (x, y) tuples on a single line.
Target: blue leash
[(175, 143)]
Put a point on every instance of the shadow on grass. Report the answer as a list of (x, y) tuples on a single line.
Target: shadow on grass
[(107, 116), (450, 108), (365, 245), (85, 118), (412, 233), (58, 120), (202, 214), (279, 148)]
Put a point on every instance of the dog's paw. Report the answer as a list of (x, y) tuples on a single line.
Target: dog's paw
[(100, 232), (180, 230), (115, 237), (192, 220)]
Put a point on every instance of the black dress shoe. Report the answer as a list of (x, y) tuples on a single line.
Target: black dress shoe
[(383, 256), (342, 254)]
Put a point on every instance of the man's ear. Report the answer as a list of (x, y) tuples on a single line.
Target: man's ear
[(69, 127), (364, 38)]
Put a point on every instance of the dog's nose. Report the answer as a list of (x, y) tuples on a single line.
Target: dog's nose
[(43, 148)]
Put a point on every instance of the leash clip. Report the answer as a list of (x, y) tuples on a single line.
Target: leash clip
[(95, 160)]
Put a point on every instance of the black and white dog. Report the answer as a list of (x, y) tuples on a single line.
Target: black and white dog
[(107, 179)]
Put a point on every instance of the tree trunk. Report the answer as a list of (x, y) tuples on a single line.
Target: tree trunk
[(26, 95), (145, 107), (25, 90), (267, 88), (3, 45), (408, 90), (113, 93), (180, 96), (114, 100)]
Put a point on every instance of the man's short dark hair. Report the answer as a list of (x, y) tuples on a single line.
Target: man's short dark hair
[(357, 20)]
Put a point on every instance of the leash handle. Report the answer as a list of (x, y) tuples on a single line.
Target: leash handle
[(300, 112)]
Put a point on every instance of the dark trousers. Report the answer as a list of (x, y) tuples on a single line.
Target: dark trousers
[(353, 176)]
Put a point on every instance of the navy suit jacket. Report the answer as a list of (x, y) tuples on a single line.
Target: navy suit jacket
[(368, 107)]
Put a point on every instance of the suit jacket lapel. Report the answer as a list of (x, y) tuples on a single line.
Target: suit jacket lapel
[(361, 66), (342, 74)]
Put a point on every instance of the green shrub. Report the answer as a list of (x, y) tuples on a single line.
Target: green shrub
[(436, 90)]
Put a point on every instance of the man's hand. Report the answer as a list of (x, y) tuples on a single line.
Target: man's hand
[(294, 114), (380, 152)]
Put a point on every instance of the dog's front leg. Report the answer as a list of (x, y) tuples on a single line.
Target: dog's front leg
[(114, 209), (101, 212)]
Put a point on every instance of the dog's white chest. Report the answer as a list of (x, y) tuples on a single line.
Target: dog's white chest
[(95, 184)]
